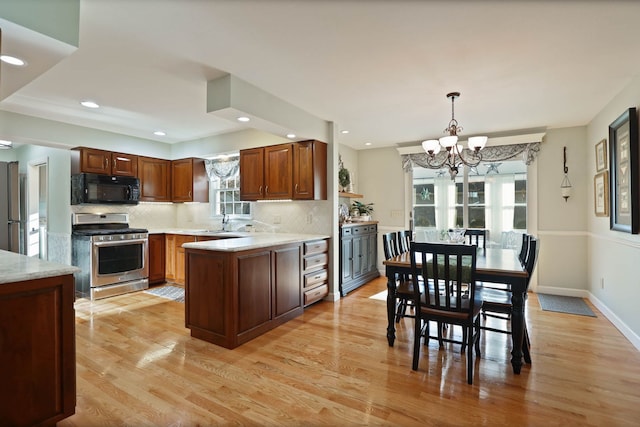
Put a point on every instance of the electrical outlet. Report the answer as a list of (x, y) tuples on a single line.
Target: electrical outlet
[(309, 218)]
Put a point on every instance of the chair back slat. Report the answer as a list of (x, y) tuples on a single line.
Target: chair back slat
[(524, 248), (404, 240), (532, 257), (390, 244), (476, 236), (448, 272)]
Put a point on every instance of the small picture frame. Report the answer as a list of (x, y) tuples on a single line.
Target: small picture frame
[(601, 193), (601, 155)]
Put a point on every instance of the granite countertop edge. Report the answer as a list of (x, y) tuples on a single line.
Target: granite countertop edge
[(253, 241), (18, 268)]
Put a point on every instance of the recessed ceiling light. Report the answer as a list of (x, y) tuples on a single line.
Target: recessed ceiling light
[(243, 119), (5, 144), (12, 60), (344, 131), (367, 143), (89, 104), (159, 133), (291, 135)]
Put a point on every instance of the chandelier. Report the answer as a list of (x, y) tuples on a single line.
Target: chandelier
[(454, 157)]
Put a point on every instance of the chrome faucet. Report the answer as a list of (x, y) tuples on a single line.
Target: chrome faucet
[(225, 218)]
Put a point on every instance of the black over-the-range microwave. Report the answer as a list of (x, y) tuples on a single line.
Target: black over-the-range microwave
[(94, 188)]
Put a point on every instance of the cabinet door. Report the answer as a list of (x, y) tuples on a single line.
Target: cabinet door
[(287, 280), (155, 179), (359, 247), (346, 260), (310, 170), (170, 257), (95, 161), (157, 258), (252, 174), (254, 290), (179, 276), (372, 252), (124, 164), (182, 180), (303, 170), (278, 168)]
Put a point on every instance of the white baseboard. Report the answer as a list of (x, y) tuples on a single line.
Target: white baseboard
[(610, 315)]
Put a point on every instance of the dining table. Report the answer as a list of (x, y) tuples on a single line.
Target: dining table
[(495, 265)]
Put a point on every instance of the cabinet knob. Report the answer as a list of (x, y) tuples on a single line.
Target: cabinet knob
[(114, 162), (296, 189), (260, 190), (266, 190)]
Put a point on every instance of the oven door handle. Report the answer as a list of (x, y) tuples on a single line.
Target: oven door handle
[(120, 242)]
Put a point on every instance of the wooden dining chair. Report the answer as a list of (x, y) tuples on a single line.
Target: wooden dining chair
[(448, 273), (404, 285), (476, 236), (497, 303)]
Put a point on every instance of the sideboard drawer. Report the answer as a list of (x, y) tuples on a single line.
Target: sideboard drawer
[(316, 261), (316, 247), (316, 294), (315, 277)]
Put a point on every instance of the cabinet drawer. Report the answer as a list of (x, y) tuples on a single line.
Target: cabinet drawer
[(315, 247), (360, 229), (313, 261), (316, 294), (315, 277), (347, 232)]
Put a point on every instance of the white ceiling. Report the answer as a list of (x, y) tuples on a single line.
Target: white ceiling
[(380, 69)]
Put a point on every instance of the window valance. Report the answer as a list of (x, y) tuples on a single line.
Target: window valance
[(489, 154), (222, 168)]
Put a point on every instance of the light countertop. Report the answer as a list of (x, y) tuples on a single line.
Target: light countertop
[(17, 268), (201, 232), (253, 241)]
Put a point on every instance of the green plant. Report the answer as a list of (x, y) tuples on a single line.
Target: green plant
[(363, 209)]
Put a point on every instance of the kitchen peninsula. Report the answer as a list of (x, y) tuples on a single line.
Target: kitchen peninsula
[(237, 289), (37, 341)]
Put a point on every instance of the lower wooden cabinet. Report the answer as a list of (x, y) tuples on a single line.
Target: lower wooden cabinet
[(157, 258), (174, 269), (233, 297), (37, 351)]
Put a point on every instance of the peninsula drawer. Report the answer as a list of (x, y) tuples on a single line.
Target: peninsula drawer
[(316, 247), (316, 294), (315, 277), (315, 261)]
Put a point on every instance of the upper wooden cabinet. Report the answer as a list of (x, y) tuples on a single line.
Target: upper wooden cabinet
[(189, 180), (91, 160), (284, 171), (310, 170), (155, 179)]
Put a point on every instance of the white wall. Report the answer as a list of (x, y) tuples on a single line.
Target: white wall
[(613, 255)]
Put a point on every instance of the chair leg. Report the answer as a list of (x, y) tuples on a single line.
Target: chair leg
[(440, 342), (464, 340), (469, 332), (416, 341), (477, 337)]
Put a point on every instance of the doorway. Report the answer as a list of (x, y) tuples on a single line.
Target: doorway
[(37, 209)]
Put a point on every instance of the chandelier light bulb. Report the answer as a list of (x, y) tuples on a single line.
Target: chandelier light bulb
[(477, 143), (431, 146)]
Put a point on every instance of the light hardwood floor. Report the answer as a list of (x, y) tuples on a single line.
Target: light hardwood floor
[(138, 366)]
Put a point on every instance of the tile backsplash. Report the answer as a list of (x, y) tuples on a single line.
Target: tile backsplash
[(309, 217)]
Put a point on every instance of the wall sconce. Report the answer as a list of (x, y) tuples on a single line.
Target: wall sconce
[(565, 187)]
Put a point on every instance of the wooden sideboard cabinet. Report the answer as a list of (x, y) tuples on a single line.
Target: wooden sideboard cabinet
[(91, 160), (37, 351), (155, 179), (358, 255), (189, 180), (315, 279)]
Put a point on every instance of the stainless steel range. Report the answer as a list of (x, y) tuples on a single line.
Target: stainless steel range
[(113, 257)]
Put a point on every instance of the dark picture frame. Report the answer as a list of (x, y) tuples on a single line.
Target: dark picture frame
[(601, 155), (624, 173)]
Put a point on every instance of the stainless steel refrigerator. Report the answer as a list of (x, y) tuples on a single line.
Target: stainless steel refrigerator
[(10, 223)]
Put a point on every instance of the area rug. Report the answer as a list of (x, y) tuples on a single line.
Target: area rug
[(564, 304), (169, 292)]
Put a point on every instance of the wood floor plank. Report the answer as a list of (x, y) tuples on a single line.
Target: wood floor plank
[(137, 365)]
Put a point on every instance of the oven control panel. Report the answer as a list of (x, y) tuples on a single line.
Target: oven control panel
[(120, 237)]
